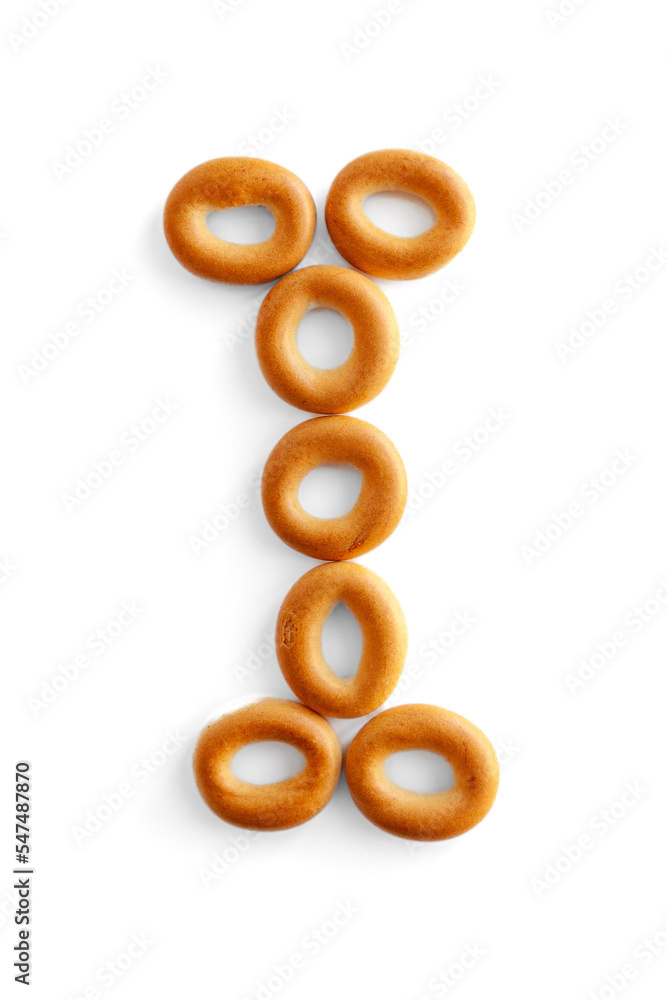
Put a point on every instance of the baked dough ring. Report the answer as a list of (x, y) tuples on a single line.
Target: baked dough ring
[(299, 640), (276, 806), (376, 339), (228, 183), (414, 815), (380, 253), (334, 440)]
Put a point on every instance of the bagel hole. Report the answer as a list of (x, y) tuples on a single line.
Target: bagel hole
[(330, 490), (324, 337), (399, 213), (419, 771), (342, 641), (266, 762), (245, 224)]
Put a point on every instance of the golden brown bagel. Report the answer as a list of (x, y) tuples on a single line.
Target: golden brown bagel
[(414, 815), (334, 440), (299, 639), (230, 182), (374, 353), (280, 805), (380, 253)]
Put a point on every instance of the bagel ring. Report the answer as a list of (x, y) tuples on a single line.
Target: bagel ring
[(413, 815), (299, 640), (380, 253), (374, 353), (230, 182), (334, 440), (276, 806)]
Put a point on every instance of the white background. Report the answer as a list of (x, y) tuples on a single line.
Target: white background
[(169, 335)]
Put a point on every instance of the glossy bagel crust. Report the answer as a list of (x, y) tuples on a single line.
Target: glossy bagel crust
[(374, 353), (276, 806), (334, 440), (299, 640), (414, 815), (230, 182), (406, 171)]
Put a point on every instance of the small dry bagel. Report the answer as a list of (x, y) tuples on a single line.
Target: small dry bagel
[(280, 805), (380, 253), (415, 815), (230, 182), (299, 640), (343, 441), (374, 353)]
